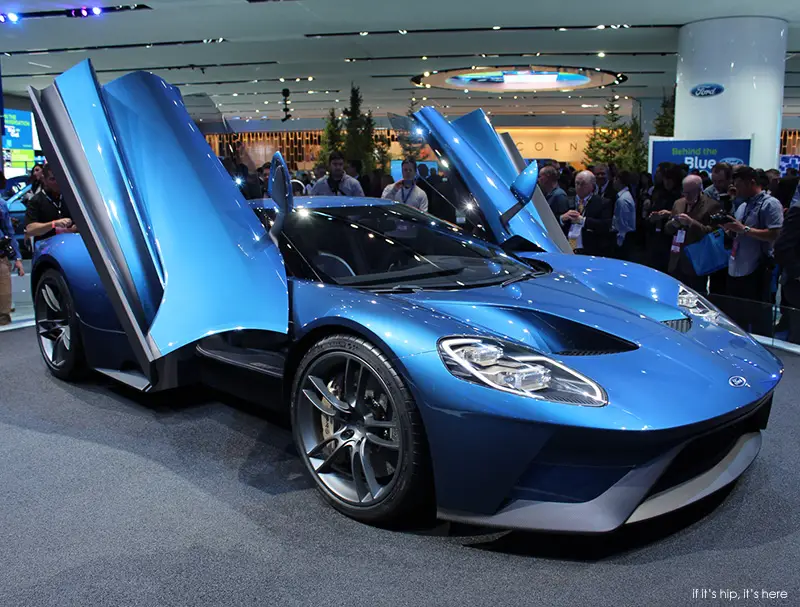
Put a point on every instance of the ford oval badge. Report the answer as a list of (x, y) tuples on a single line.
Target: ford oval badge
[(737, 381), (707, 90), (732, 161)]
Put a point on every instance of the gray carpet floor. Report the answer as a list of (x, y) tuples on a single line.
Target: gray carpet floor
[(111, 498)]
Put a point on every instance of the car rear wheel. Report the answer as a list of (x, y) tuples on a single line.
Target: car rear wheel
[(360, 434), (57, 327)]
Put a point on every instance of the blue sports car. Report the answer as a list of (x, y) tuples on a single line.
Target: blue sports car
[(489, 376)]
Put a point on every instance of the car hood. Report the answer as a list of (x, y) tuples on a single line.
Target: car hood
[(659, 374)]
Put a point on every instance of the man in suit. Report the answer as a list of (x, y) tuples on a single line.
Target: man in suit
[(690, 221), (588, 223)]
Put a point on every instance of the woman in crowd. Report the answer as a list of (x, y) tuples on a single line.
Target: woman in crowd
[(36, 181)]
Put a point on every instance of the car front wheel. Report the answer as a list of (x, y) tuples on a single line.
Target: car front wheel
[(57, 327), (360, 433)]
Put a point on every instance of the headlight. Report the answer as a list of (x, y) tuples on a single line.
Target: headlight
[(694, 304), (515, 369)]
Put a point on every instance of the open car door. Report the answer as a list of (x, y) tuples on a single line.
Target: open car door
[(180, 253), (513, 207)]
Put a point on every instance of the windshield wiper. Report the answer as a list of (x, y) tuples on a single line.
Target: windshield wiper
[(398, 289), (524, 276)]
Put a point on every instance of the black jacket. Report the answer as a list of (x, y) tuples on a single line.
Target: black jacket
[(596, 232), (787, 247)]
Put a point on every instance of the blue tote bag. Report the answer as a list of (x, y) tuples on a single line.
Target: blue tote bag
[(709, 254)]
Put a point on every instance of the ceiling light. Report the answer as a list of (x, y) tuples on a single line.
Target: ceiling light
[(626, 96), (616, 96), (601, 54), (266, 103), (426, 74), (336, 101), (236, 94), (597, 69), (515, 96), (297, 79), (563, 112), (402, 32), (615, 27), (363, 33), (310, 78), (538, 54), (347, 60), (466, 90), (257, 111), (311, 92), (413, 99), (427, 86), (97, 10), (562, 29), (435, 72), (13, 17), (281, 79), (424, 58), (424, 98), (625, 25), (495, 27), (601, 27)]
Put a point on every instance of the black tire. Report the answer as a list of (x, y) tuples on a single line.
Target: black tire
[(409, 499), (53, 298)]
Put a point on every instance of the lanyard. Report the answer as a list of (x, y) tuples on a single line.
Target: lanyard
[(57, 205), (406, 195)]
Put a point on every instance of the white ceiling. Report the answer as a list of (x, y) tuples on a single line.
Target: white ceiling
[(278, 31)]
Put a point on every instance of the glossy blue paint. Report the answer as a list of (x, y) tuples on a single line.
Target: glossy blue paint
[(490, 188), (191, 206), (477, 129), (525, 184), (85, 103), (487, 446)]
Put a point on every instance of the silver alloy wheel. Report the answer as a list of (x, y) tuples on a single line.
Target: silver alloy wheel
[(349, 429), (52, 324)]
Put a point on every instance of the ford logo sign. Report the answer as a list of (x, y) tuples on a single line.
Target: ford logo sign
[(733, 161), (737, 381), (707, 90)]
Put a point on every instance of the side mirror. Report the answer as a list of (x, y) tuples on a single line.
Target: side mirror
[(280, 190)]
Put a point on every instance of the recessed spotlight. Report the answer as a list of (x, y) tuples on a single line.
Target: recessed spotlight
[(424, 98), (336, 101), (310, 78), (424, 58), (426, 74), (615, 27), (236, 94), (601, 54), (562, 29), (402, 32), (257, 111), (13, 17), (626, 96), (616, 96), (427, 86), (435, 72), (97, 10), (297, 79), (311, 92), (363, 33), (597, 69), (601, 27), (625, 25), (281, 79), (413, 99), (515, 96), (466, 90), (495, 27), (266, 103), (347, 60)]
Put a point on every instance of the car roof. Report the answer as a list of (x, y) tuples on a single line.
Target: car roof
[(326, 202)]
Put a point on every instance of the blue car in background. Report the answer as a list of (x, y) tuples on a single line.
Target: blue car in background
[(488, 376)]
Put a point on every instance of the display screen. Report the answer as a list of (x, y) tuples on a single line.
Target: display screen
[(517, 78), (19, 139)]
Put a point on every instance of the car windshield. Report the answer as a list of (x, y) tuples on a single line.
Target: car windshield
[(395, 247)]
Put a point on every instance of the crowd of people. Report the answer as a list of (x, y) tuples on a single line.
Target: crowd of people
[(652, 220), (655, 220)]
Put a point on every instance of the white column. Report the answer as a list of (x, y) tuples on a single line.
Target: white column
[(746, 56)]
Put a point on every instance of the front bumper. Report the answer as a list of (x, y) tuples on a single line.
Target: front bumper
[(682, 473)]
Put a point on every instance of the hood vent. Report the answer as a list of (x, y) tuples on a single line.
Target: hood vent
[(682, 325)]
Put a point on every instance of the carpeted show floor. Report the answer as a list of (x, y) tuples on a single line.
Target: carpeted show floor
[(111, 498)]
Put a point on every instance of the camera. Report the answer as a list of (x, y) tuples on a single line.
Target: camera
[(6, 250), (718, 219)]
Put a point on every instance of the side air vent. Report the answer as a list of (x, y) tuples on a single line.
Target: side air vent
[(682, 325)]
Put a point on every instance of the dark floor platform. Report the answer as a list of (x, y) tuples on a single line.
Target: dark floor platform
[(112, 498)]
